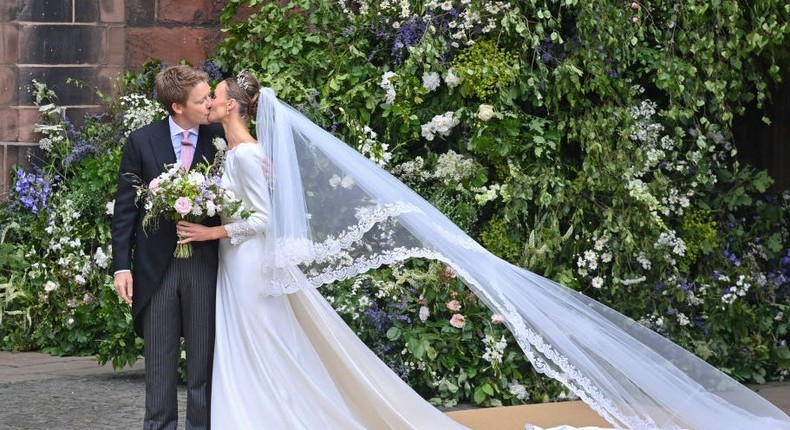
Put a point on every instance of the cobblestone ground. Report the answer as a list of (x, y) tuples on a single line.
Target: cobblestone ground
[(91, 402)]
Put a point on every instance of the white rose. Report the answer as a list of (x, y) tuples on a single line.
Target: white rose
[(485, 112)]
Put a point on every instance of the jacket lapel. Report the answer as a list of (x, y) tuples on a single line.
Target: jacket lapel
[(204, 150), (162, 145)]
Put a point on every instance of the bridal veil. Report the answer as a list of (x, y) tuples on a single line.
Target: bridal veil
[(336, 214)]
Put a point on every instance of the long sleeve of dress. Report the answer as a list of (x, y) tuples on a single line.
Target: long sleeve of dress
[(248, 181)]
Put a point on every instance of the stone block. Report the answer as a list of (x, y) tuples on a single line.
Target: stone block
[(56, 78), (9, 43), (112, 11), (59, 44), (113, 46), (86, 11), (140, 13), (9, 130), (45, 10), (26, 122), (8, 10), (107, 77), (190, 11), (171, 45), (7, 86)]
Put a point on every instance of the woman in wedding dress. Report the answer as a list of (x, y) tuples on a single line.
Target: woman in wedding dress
[(322, 212), (286, 361)]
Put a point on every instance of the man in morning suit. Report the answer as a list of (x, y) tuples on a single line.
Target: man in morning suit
[(170, 297)]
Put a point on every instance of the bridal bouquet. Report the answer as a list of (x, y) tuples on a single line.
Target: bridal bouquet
[(191, 196)]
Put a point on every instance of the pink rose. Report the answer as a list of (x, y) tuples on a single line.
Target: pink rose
[(497, 319), (183, 206), (458, 321), (634, 5), (453, 305), (154, 184)]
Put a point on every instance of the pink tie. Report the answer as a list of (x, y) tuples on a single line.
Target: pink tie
[(187, 151)]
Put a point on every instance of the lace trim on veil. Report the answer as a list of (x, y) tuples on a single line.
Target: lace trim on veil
[(527, 339), (292, 252)]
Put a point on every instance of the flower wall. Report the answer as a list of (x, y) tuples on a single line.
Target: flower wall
[(589, 142)]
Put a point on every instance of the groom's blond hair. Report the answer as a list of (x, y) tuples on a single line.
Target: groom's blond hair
[(174, 83)]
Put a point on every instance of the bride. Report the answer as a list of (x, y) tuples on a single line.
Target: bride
[(322, 212)]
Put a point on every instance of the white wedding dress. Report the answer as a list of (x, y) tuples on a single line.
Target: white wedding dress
[(288, 361)]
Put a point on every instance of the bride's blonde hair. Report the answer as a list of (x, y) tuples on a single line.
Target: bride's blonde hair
[(244, 89)]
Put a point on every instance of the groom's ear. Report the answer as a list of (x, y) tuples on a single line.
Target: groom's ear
[(178, 108)]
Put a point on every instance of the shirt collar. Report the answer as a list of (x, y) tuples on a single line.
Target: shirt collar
[(176, 129)]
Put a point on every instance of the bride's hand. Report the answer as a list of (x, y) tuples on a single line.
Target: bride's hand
[(191, 232)]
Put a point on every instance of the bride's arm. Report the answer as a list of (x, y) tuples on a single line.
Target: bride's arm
[(191, 232)]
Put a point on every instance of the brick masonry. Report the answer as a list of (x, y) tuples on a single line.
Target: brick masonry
[(89, 40)]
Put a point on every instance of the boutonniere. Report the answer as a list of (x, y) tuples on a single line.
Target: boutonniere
[(218, 165), (219, 143)]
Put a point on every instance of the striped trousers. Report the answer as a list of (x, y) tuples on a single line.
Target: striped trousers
[(184, 305)]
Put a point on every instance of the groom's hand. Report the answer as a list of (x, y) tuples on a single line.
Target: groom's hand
[(123, 285)]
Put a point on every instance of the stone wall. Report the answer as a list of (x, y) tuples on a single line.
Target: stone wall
[(92, 41)]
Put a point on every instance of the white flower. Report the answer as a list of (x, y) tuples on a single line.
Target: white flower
[(485, 112), (606, 257), (426, 130), (440, 124), (518, 390), (334, 181), (451, 79), (100, 258), (431, 81), (424, 313), (211, 208), (387, 85), (110, 208), (597, 282), (447, 5), (80, 279), (347, 182), (50, 286)]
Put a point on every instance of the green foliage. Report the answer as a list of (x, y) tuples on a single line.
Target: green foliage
[(57, 289), (587, 141)]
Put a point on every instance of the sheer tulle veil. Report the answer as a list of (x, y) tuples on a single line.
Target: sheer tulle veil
[(336, 214)]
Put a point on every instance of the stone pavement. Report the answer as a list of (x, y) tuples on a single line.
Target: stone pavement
[(41, 392), (38, 391)]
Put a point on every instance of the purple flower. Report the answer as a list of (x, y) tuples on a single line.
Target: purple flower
[(32, 189), (213, 71)]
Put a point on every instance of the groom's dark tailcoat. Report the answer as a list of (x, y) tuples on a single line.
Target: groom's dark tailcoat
[(149, 255)]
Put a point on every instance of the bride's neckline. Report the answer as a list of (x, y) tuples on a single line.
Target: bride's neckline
[(231, 149)]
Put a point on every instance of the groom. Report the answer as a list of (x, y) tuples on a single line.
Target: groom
[(170, 297)]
